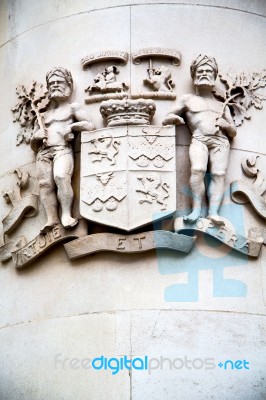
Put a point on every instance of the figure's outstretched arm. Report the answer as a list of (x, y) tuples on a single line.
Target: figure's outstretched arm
[(83, 123), (174, 117)]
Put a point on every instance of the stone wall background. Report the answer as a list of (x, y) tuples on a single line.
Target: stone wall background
[(109, 304)]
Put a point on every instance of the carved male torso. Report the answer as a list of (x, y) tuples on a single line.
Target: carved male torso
[(202, 114), (56, 122)]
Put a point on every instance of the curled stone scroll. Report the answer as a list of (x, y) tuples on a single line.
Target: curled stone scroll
[(26, 206), (154, 95), (104, 56), (11, 246), (245, 191), (98, 98), (249, 246), (256, 232), (134, 243), (157, 52), (40, 244)]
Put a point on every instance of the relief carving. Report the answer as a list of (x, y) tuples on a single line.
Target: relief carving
[(22, 206), (111, 203), (174, 55), (29, 252), (240, 93), (144, 160), (105, 177), (131, 163), (104, 193), (33, 100), (107, 55), (112, 194), (127, 112), (211, 126), (105, 81), (139, 243), (253, 192), (104, 148), (250, 246), (11, 246), (153, 189), (56, 123), (105, 85), (159, 78), (148, 152), (256, 233)]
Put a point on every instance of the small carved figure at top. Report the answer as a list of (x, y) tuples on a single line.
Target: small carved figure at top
[(105, 82), (211, 124), (160, 79), (52, 142)]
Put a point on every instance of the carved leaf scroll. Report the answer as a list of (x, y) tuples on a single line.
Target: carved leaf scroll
[(240, 93), (33, 100)]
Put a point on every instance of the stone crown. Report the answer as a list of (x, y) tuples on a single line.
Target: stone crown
[(128, 112)]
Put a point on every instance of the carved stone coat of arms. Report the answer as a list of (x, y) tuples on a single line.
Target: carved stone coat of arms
[(128, 175)]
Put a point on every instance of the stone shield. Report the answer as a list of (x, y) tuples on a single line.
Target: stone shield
[(128, 176)]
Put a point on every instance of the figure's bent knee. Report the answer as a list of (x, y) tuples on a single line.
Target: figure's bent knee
[(198, 171), (218, 173), (45, 183), (62, 179)]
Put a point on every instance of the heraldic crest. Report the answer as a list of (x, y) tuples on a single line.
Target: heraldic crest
[(128, 174)]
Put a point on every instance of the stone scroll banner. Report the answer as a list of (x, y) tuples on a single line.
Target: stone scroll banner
[(11, 246), (249, 246), (40, 244), (26, 207), (256, 232), (242, 192), (134, 243), (173, 54), (103, 56)]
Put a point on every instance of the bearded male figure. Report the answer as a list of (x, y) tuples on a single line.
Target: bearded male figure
[(211, 125), (52, 142)]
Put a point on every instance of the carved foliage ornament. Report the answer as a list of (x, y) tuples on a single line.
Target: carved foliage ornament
[(33, 101), (240, 93)]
